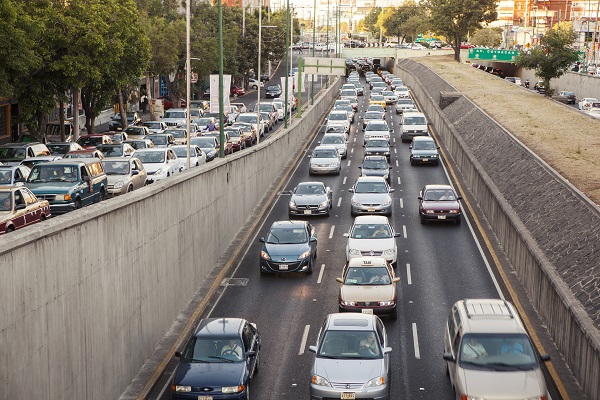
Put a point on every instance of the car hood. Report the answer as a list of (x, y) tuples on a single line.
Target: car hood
[(371, 198), (153, 167), (112, 179), (324, 160), (441, 205), (512, 384), (424, 152), (209, 374), (371, 244), (367, 292), (375, 172), (290, 252), (348, 371), (377, 149), (377, 133), (304, 199), (50, 188)]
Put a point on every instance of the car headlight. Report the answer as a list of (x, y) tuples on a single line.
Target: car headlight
[(63, 197), (355, 202), (183, 389), (304, 255), (429, 211), (389, 252), (379, 381), (386, 303), (387, 202), (119, 185), (320, 381), (264, 255), (292, 204), (454, 211), (348, 303), (354, 252), (323, 204), (233, 389)]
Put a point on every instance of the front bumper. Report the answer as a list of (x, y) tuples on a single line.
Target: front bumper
[(327, 393), (112, 192), (156, 177), (442, 217), (368, 309), (62, 208), (370, 209), (425, 160), (306, 210), (316, 169), (211, 395), (276, 266)]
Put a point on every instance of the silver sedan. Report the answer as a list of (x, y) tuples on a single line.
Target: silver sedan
[(310, 198), (371, 195), (124, 174)]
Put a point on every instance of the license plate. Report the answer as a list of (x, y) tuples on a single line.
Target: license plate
[(205, 398), (283, 267), (425, 159), (349, 396), (367, 311), (307, 212), (370, 209), (441, 217)]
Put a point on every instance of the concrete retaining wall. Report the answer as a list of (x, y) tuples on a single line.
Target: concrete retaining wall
[(86, 297), (549, 231)]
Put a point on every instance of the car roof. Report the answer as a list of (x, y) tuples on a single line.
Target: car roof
[(219, 327), (288, 224), (326, 147), (489, 316), (311, 183), (119, 159), (423, 139), (72, 161), (371, 219), (350, 322), (370, 179), (427, 187), (374, 157), (367, 262)]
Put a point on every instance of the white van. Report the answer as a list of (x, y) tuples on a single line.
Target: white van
[(413, 124)]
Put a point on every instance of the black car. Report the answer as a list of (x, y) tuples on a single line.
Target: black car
[(378, 147), (376, 166), (219, 361), (290, 246), (133, 118), (273, 91), (208, 144)]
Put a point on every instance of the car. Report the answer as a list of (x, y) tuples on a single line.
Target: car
[(233, 113), (374, 79), (161, 139), (218, 361), (117, 137), (439, 203), (169, 103), (205, 124), (93, 140), (352, 358), (349, 110), (565, 96), (201, 104), (19, 207), (140, 143), (405, 104), (179, 134), (371, 195), (136, 132), (236, 91), (487, 350), (396, 82), (593, 112), (155, 126), (402, 92), (124, 174), (424, 150), (133, 118), (175, 117), (368, 285), (197, 156), (339, 118), (68, 184), (540, 87), (14, 153), (360, 91), (390, 97), (376, 107), (116, 150), (85, 153), (413, 124), (159, 162), (352, 95), (62, 148), (249, 132), (238, 138), (514, 79), (273, 91), (227, 147), (337, 140), (377, 99), (377, 129), (254, 84), (208, 144), (376, 166), (372, 235), (280, 110), (254, 119), (266, 117), (325, 160), (310, 198), (290, 246), (377, 146), (370, 116), (586, 103), (196, 112), (378, 87), (13, 175)]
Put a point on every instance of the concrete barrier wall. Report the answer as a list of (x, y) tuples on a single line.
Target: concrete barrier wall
[(86, 297), (548, 229)]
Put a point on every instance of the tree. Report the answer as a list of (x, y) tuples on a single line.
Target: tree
[(369, 24), (487, 37), (552, 57), (454, 19), (400, 21)]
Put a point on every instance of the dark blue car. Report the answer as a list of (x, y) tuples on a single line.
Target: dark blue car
[(290, 246), (218, 362)]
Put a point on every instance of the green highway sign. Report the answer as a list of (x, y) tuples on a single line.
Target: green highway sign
[(477, 53)]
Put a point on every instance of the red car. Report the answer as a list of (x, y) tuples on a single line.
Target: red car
[(19, 207), (168, 103), (236, 91), (439, 203)]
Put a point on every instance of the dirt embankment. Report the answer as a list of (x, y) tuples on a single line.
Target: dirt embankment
[(565, 138)]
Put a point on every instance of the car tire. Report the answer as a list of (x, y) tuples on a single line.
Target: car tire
[(394, 315), (339, 171), (10, 229), (235, 95), (78, 204), (412, 163), (247, 397), (309, 271), (423, 221), (102, 195), (130, 188)]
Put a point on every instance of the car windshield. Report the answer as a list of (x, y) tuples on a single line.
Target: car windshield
[(178, 133), (233, 132), (248, 118), (181, 151), (109, 150), (274, 87), (414, 121), (344, 107), (439, 195), (203, 142), (202, 121), (349, 93), (342, 101), (135, 131), (405, 101), (150, 157), (335, 128), (158, 140), (375, 164), (266, 107), (338, 117), (90, 141), (152, 125), (137, 144), (371, 231), (424, 145), (371, 187), (349, 345), (58, 148), (377, 143), (175, 114), (372, 276), (498, 352), (387, 93), (287, 236), (52, 173), (376, 107), (333, 139), (377, 97), (115, 167), (214, 350), (310, 189), (377, 127), (324, 153), (372, 115), (117, 137)]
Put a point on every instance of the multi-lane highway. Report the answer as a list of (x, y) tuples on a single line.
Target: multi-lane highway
[(438, 264)]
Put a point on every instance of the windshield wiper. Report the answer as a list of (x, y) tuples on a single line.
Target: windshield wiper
[(330, 357), (222, 358), (196, 360)]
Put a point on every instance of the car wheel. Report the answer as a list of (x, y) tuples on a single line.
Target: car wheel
[(423, 220), (10, 229), (168, 174), (338, 171), (102, 195), (43, 218), (130, 189), (235, 95), (78, 204), (247, 397), (309, 271), (394, 315)]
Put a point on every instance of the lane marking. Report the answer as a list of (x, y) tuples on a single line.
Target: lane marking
[(321, 273), (344, 182), (331, 231), (352, 151), (404, 231), (354, 138), (416, 341), (339, 201), (395, 151), (349, 161), (401, 203), (397, 165), (399, 181), (304, 339), (408, 275)]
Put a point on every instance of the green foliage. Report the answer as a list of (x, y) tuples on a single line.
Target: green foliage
[(552, 57), (487, 37), (370, 23), (404, 21), (454, 19)]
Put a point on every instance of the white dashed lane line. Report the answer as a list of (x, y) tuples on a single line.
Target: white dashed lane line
[(344, 181), (397, 165), (401, 203), (331, 231), (339, 201), (415, 341), (404, 231), (320, 279), (408, 275), (304, 339), (349, 161)]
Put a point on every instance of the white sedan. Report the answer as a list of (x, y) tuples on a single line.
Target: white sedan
[(586, 103), (159, 162), (372, 235), (197, 156)]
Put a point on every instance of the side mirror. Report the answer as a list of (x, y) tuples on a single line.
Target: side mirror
[(397, 235), (390, 167), (410, 147), (313, 240), (262, 240), (420, 197), (544, 357), (251, 353), (339, 280), (346, 234), (392, 190), (360, 166), (351, 190), (178, 354), (459, 198), (312, 349), (135, 172), (391, 145), (387, 350), (449, 357), (395, 280)]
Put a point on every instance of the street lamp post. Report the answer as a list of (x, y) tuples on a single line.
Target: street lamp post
[(258, 72), (188, 71), (221, 105), (312, 80), (287, 64)]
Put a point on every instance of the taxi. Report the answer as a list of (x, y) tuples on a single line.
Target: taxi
[(378, 99), (19, 207), (368, 286)]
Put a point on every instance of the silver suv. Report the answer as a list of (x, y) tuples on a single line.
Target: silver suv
[(489, 354)]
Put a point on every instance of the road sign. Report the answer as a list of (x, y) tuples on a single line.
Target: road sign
[(194, 77), (478, 53), (325, 66)]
